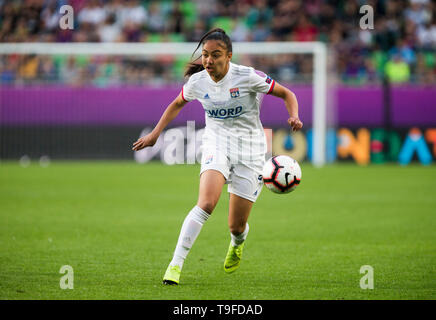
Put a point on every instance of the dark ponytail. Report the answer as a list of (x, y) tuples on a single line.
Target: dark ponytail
[(214, 34)]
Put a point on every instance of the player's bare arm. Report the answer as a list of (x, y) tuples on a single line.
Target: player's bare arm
[(291, 104), (170, 113)]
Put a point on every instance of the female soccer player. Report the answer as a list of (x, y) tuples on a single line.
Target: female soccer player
[(233, 144)]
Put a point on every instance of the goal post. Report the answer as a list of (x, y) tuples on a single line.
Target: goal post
[(317, 49)]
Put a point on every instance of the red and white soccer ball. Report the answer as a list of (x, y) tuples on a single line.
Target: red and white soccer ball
[(281, 174)]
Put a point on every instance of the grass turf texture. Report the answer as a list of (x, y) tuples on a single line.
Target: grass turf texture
[(117, 225)]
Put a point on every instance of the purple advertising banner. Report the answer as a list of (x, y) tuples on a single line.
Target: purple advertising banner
[(363, 106)]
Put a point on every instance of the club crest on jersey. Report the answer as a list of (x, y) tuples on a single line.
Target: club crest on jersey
[(234, 92), (268, 80)]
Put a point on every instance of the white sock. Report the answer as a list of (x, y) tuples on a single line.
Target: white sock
[(239, 239), (190, 230)]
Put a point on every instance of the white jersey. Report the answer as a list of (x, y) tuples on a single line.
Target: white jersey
[(232, 109)]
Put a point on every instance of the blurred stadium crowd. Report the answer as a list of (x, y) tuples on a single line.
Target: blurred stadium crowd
[(401, 46)]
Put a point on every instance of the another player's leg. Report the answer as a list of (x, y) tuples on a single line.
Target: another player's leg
[(211, 184), (239, 210)]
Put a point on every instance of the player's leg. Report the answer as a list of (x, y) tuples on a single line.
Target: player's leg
[(239, 210), (244, 189), (211, 185)]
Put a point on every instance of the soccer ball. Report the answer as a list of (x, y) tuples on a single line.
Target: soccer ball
[(281, 174)]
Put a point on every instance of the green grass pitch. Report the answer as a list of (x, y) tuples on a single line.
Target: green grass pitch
[(116, 224)]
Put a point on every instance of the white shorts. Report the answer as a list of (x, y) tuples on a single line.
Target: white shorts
[(242, 180)]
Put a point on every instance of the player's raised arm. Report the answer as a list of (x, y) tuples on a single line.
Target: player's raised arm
[(291, 104), (169, 114)]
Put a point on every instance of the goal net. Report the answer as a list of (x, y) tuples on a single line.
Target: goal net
[(92, 100)]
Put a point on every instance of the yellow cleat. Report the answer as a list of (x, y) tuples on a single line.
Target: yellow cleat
[(233, 258), (172, 275)]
